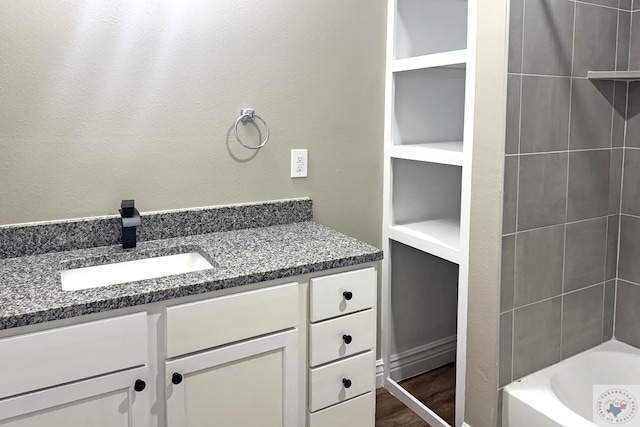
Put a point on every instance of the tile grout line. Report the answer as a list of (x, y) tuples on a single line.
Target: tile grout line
[(606, 241), (630, 215), (629, 282), (603, 6), (604, 287), (578, 221), (593, 285), (566, 209), (515, 239), (576, 150), (624, 151)]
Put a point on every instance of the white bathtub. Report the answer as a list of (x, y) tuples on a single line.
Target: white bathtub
[(562, 395)]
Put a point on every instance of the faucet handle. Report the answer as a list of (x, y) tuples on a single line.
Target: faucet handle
[(127, 208)]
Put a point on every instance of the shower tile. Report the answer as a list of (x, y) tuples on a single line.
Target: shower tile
[(591, 118), (630, 187), (505, 349), (633, 116), (588, 184), (536, 337), (619, 114), (609, 310), (585, 254), (510, 202), (625, 4), (513, 114), (628, 265), (507, 274), (612, 246), (610, 3), (624, 34), (582, 320), (548, 37), (627, 313), (615, 180), (539, 262), (545, 114), (595, 39), (542, 192), (634, 43), (515, 36)]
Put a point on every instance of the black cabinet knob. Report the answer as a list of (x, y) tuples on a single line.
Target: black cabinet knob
[(347, 339), (176, 378), (139, 385), (347, 295), (346, 382)]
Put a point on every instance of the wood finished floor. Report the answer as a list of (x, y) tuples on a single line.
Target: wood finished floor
[(436, 389)]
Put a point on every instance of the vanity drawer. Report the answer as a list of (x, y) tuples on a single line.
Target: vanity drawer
[(56, 356), (328, 339), (326, 385), (327, 294), (359, 411), (205, 324)]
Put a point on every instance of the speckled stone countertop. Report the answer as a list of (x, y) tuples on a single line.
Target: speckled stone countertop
[(31, 292)]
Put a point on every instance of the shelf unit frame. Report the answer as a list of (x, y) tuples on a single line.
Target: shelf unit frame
[(450, 153)]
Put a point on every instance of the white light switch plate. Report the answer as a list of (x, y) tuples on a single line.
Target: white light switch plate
[(299, 160)]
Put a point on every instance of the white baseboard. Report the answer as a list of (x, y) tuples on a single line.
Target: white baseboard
[(418, 360), (379, 373)]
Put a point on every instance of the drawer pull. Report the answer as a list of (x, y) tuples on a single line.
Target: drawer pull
[(347, 295), (176, 378), (139, 385), (347, 339), (346, 382)]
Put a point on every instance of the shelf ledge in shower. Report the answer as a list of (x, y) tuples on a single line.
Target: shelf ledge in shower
[(625, 76)]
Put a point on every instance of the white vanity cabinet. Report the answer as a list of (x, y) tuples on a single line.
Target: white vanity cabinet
[(233, 361), (248, 357), (342, 343), (93, 373)]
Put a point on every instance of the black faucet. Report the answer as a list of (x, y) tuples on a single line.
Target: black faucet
[(130, 220)]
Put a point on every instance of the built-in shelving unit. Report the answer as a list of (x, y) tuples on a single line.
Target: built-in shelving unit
[(624, 76), (428, 138)]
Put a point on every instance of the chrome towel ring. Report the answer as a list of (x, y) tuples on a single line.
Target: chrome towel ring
[(247, 115)]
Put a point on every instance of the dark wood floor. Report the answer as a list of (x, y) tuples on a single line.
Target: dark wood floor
[(436, 389)]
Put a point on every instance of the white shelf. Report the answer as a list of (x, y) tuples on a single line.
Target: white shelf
[(447, 153), (428, 105), (453, 59), (625, 76), (439, 237), (424, 27)]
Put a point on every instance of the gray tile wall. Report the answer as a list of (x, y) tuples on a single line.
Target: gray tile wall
[(563, 168), (627, 310)]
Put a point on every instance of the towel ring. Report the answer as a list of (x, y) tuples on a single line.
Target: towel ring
[(247, 115)]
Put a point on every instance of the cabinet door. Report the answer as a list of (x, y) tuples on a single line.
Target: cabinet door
[(105, 401), (252, 383)]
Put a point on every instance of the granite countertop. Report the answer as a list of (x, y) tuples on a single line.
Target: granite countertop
[(31, 293)]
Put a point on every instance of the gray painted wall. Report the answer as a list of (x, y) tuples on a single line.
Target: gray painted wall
[(563, 162), (112, 99)]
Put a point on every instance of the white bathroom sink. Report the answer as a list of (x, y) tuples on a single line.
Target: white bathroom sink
[(131, 271)]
